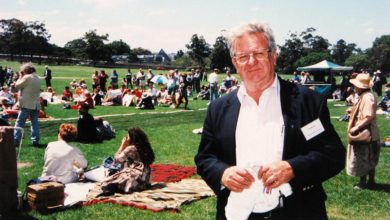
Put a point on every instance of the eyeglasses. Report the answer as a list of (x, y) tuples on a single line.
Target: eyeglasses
[(260, 54)]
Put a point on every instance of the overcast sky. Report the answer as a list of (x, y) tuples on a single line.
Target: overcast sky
[(169, 24)]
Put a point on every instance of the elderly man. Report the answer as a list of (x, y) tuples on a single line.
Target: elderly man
[(29, 85), (267, 147)]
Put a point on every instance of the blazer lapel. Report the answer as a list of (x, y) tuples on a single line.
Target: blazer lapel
[(287, 95), (232, 108)]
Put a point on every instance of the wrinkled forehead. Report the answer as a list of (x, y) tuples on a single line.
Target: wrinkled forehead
[(250, 42)]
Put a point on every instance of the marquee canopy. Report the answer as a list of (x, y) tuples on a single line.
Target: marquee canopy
[(325, 65)]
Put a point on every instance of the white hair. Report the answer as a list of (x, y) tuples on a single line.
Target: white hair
[(251, 28), (27, 68)]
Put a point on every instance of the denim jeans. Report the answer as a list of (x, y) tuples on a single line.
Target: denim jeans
[(213, 93), (21, 120)]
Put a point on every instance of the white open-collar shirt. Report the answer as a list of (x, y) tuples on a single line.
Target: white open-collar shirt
[(259, 141)]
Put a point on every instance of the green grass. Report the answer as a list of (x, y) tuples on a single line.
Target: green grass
[(170, 133)]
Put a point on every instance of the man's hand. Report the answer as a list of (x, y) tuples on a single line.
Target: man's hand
[(237, 179), (276, 174)]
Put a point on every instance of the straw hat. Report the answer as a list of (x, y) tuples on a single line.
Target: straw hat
[(361, 81)]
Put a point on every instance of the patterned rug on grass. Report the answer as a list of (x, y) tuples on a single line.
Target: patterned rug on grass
[(160, 197), (167, 173)]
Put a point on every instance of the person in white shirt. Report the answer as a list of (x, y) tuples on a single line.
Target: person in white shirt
[(62, 160), (213, 85), (267, 147)]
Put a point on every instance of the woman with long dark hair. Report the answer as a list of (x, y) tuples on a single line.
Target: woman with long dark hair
[(135, 156)]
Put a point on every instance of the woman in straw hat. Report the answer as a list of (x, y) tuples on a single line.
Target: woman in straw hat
[(362, 158)]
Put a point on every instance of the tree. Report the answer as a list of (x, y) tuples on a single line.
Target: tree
[(17, 37), (289, 53), (359, 61), (95, 48), (311, 58), (341, 51), (220, 56), (313, 43), (184, 61), (119, 48), (198, 49), (379, 54), (38, 41), (77, 48), (141, 51), (179, 54)]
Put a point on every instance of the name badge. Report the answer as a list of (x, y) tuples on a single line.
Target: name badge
[(312, 129)]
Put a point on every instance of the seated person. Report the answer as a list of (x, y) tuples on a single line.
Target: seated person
[(5, 93), (135, 155), (129, 99), (352, 99), (98, 96), (146, 102), (204, 93), (181, 96), (86, 126), (74, 84), (63, 160), (162, 97), (384, 104), (88, 100), (113, 97), (67, 95)]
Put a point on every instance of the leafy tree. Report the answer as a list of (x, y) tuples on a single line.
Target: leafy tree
[(198, 49), (179, 54), (141, 51), (17, 37), (379, 54), (289, 53), (39, 37), (119, 48), (77, 48), (220, 56), (184, 61), (359, 61), (341, 51), (311, 58), (313, 43), (95, 48)]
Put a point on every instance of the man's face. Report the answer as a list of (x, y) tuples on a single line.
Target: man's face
[(256, 74)]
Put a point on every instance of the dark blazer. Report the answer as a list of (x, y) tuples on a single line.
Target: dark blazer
[(47, 74), (313, 161)]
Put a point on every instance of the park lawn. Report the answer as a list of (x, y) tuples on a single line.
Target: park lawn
[(170, 133)]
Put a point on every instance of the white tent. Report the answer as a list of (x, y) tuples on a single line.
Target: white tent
[(325, 66)]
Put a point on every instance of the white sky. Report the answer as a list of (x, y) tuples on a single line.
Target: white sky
[(169, 24)]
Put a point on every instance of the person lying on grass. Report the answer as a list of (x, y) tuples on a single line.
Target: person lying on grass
[(135, 155)]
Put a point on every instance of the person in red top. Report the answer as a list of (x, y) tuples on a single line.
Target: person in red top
[(67, 95)]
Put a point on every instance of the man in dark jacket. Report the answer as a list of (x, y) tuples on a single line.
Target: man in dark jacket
[(267, 147), (47, 76)]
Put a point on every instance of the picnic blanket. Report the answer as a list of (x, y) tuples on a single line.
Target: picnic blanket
[(160, 197), (170, 172)]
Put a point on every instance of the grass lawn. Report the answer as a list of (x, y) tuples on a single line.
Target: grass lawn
[(170, 133)]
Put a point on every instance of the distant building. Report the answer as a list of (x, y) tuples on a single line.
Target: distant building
[(160, 57)]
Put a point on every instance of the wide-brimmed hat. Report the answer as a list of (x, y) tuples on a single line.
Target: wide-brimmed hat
[(377, 71), (361, 81)]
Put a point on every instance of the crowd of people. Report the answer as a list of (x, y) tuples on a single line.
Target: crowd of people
[(248, 152)]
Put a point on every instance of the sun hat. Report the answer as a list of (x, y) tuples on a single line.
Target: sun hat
[(377, 71), (362, 81)]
